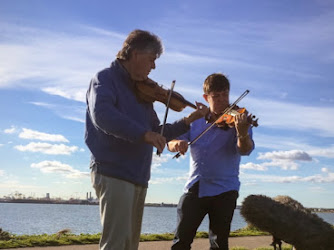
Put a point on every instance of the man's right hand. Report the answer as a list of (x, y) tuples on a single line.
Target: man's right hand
[(155, 140), (178, 146)]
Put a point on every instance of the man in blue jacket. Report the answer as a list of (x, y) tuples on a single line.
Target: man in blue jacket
[(121, 131)]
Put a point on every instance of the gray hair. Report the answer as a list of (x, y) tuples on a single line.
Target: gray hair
[(143, 41)]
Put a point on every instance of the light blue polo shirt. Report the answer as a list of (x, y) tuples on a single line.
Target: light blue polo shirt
[(214, 159)]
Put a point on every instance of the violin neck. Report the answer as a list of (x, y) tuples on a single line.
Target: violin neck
[(181, 99), (191, 105)]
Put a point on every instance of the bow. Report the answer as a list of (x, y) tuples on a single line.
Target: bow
[(166, 112)]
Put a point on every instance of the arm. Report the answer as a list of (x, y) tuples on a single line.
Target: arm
[(201, 111), (180, 127), (102, 98)]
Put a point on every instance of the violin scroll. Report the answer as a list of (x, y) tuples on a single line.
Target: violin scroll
[(150, 91)]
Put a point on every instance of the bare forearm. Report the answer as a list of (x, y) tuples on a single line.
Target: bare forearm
[(244, 143), (190, 118), (201, 111)]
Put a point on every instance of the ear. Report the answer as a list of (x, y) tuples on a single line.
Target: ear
[(134, 54), (205, 96)]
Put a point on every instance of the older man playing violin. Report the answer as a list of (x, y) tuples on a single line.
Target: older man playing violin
[(213, 184), (121, 131)]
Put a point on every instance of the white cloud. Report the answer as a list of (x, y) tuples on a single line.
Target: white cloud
[(43, 104), (322, 152), (36, 135), (74, 112), (326, 177), (43, 56), (297, 117), (253, 166), (283, 164), (284, 143), (292, 155), (10, 130), (157, 161), (60, 168), (47, 148), (283, 159)]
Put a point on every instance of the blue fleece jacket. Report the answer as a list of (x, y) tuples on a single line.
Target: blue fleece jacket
[(115, 124)]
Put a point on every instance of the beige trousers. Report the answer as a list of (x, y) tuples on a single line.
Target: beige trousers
[(121, 211)]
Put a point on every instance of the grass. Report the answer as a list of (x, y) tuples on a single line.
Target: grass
[(65, 237)]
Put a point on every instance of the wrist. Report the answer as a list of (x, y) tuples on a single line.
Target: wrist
[(241, 137), (187, 120)]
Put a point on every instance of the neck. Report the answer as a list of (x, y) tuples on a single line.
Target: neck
[(211, 116), (125, 65)]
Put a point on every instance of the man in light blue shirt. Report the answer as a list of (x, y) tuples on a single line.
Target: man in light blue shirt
[(213, 184)]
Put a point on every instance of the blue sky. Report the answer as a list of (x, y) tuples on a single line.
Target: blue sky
[(282, 51)]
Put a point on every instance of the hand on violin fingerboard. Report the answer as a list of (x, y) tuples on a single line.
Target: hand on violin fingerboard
[(242, 124), (200, 112)]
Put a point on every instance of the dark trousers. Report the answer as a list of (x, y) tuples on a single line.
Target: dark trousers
[(191, 211)]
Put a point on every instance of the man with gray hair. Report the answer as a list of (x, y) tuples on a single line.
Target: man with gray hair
[(121, 131)]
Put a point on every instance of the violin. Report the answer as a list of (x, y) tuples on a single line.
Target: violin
[(227, 119), (150, 91)]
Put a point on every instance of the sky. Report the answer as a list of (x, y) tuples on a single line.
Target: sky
[(281, 51)]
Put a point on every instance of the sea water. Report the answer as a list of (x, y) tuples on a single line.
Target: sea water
[(29, 218)]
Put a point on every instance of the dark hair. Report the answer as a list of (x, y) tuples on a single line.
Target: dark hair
[(215, 83), (141, 40)]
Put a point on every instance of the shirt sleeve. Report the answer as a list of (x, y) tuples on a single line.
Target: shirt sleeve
[(101, 100)]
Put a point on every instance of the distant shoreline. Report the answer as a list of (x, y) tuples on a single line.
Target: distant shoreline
[(94, 202), (74, 202)]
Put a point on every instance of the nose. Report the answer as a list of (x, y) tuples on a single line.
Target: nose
[(153, 65)]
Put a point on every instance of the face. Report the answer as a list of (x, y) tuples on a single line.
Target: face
[(218, 101), (141, 65)]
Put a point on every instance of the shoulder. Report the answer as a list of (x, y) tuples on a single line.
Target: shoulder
[(199, 123), (104, 73), (101, 75), (106, 77), (109, 72)]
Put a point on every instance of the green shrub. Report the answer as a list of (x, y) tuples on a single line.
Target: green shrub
[(4, 235)]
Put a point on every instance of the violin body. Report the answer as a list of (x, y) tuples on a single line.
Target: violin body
[(227, 120), (150, 91)]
